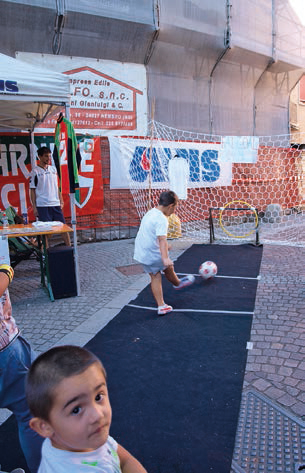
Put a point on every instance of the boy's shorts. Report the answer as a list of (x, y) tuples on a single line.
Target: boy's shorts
[(50, 214), (154, 268)]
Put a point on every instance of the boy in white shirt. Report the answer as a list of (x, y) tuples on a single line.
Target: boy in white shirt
[(151, 249), (46, 199), (67, 394)]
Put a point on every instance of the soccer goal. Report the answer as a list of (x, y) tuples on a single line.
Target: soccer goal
[(237, 219)]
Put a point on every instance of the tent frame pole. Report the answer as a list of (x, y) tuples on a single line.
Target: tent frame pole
[(73, 220)]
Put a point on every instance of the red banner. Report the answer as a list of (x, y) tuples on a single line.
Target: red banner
[(15, 168)]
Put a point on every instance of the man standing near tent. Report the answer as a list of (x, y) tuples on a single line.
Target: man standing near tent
[(46, 199)]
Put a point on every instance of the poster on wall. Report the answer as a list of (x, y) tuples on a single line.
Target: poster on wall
[(107, 97), (15, 168)]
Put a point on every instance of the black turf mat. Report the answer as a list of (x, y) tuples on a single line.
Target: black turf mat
[(214, 294), (11, 455), (232, 260), (175, 385)]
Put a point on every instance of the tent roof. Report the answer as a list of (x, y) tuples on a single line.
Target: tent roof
[(29, 93)]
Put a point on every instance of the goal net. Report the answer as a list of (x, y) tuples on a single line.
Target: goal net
[(231, 188)]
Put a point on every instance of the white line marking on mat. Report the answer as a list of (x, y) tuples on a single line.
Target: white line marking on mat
[(218, 276), (238, 312)]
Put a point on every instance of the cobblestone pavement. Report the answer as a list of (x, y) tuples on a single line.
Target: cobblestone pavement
[(271, 431), (276, 364), (275, 371), (45, 323)]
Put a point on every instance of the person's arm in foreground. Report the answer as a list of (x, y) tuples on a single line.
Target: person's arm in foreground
[(164, 251), (6, 275), (129, 464)]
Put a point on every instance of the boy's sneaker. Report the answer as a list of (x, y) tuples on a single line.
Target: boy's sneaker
[(164, 309), (185, 281)]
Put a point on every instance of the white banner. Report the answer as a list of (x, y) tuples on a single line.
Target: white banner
[(138, 163), (241, 149)]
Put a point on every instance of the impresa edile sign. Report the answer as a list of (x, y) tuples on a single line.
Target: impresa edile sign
[(107, 97), (100, 101)]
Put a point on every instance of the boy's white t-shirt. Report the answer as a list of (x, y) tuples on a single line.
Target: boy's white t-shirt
[(103, 460), (45, 182), (147, 249)]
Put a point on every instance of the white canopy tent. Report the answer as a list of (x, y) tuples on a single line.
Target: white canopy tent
[(27, 95)]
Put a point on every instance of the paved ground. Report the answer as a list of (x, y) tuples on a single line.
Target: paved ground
[(276, 364), (271, 432)]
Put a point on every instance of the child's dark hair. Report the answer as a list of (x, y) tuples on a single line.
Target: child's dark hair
[(167, 198), (49, 369), (43, 150)]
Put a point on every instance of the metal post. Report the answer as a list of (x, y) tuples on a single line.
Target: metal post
[(211, 225), (256, 230), (73, 222)]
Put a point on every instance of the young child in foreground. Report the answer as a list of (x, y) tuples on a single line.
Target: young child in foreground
[(151, 249), (67, 394)]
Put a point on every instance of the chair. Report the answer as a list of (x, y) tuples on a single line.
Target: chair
[(20, 248)]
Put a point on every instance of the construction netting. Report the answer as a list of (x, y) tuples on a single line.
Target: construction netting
[(222, 67), (226, 67)]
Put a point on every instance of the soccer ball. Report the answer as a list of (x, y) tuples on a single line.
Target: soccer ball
[(208, 269)]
